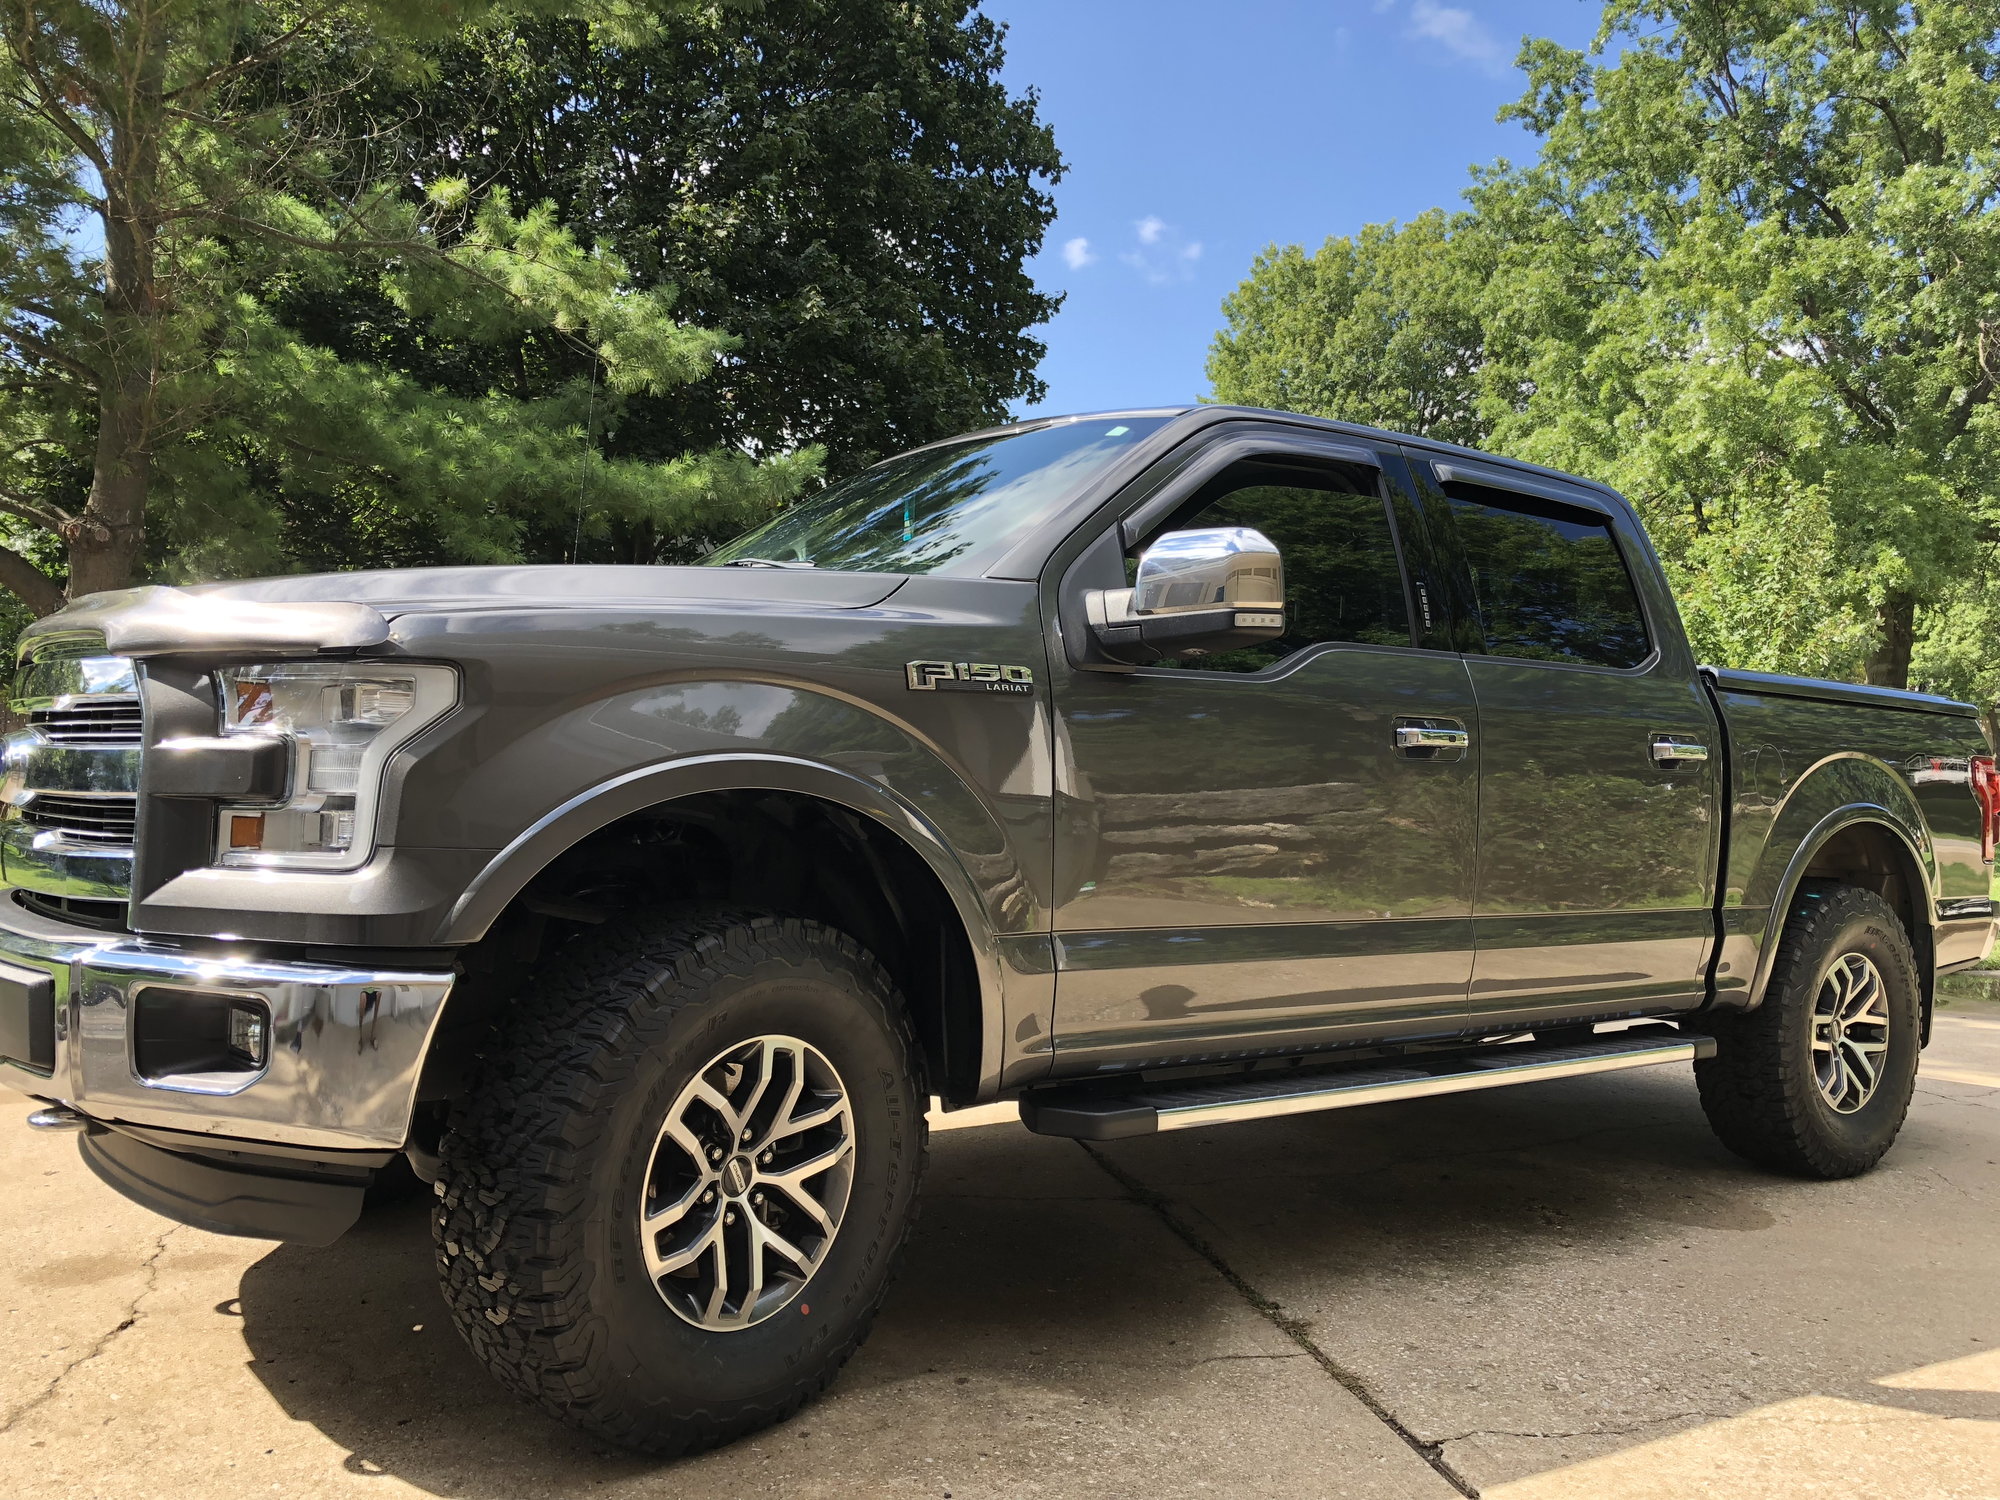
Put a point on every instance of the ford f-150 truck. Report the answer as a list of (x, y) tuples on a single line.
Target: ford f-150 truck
[(1157, 770)]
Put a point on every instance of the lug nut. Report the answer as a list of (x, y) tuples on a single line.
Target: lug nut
[(715, 1153), (757, 1199), (709, 1196), (729, 1217), (746, 1137), (767, 1157)]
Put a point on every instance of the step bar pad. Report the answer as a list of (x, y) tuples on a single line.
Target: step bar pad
[(1109, 1114)]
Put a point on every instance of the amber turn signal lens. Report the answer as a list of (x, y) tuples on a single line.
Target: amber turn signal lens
[(246, 831)]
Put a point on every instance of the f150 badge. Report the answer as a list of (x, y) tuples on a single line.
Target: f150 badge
[(968, 677)]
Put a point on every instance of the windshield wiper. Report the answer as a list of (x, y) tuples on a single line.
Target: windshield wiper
[(767, 562)]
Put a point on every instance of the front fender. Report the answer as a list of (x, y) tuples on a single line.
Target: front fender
[(972, 817)]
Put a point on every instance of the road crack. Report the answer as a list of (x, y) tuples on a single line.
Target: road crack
[(1293, 1328), (1679, 1416), (150, 1266)]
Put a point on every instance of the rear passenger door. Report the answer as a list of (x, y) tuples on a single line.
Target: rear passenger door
[(1597, 856)]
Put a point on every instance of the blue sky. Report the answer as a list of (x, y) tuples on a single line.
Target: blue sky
[(1198, 133)]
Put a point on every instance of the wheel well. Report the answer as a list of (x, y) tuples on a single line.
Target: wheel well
[(1869, 856), (770, 851)]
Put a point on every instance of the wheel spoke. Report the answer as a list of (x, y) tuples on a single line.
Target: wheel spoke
[(825, 1114), (701, 1089), (1860, 1065), (665, 1215), (791, 1181), (718, 1294), (665, 1265), (805, 1203), (763, 1237), (767, 1052)]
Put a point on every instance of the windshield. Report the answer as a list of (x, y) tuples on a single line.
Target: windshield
[(955, 508)]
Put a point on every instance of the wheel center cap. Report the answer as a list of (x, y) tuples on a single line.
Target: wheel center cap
[(736, 1176)]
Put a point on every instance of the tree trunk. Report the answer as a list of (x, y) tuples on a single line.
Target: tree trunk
[(1888, 665), (108, 535)]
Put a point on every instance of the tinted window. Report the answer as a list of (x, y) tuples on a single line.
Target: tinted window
[(1342, 581), (955, 508), (1550, 584)]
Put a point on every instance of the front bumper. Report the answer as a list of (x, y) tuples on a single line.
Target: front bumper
[(346, 1044)]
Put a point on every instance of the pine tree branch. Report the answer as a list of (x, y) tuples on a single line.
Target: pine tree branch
[(47, 104), (29, 583), (58, 521), (256, 59), (45, 350)]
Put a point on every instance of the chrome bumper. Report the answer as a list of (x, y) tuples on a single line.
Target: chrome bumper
[(345, 1051)]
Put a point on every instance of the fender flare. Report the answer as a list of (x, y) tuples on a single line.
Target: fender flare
[(1833, 823), (508, 873)]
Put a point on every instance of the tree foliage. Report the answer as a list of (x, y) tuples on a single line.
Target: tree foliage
[(1383, 328), (1753, 280), (360, 283), (845, 185)]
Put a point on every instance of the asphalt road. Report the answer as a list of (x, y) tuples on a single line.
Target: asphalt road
[(1560, 1290)]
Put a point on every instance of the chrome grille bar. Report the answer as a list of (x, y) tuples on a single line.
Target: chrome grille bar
[(105, 721), (71, 787)]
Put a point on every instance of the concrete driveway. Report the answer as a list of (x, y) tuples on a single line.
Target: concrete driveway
[(1561, 1290)]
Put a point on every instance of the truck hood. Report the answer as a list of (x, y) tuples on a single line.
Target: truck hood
[(349, 611)]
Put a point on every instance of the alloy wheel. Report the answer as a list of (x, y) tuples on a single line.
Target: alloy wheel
[(747, 1183), (1850, 1032)]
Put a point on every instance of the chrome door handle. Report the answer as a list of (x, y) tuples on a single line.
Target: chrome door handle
[(1670, 749), (1421, 737)]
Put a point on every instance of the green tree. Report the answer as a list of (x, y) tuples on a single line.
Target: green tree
[(168, 197), (1753, 280), (1383, 327), (845, 185)]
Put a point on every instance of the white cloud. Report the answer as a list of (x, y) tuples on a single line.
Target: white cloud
[(1077, 253), (1161, 256), (1460, 33)]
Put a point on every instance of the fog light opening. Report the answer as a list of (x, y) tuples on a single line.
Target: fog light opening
[(182, 1034)]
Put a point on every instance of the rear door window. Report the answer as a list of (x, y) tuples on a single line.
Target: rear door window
[(1548, 581)]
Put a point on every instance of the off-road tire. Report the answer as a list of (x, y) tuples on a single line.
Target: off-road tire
[(1759, 1090), (536, 1221)]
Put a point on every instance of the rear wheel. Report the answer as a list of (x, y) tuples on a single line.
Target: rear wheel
[(1816, 1081), (672, 1207)]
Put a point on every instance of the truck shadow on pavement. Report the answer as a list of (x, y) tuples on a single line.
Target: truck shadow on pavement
[(1051, 1285)]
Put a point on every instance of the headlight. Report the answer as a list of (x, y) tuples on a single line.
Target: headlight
[(343, 720)]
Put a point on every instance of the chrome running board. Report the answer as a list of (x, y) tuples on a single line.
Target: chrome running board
[(1110, 1112)]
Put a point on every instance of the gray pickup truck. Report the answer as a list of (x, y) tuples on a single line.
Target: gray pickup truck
[(1157, 770)]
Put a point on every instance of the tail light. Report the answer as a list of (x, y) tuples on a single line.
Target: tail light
[(1986, 787)]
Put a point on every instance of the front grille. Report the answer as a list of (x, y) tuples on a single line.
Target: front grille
[(102, 721), (71, 800), (96, 820)]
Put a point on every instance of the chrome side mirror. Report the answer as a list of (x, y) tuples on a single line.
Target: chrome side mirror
[(1223, 566), (1197, 592)]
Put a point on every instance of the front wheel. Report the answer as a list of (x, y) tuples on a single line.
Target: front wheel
[(1816, 1080), (672, 1207)]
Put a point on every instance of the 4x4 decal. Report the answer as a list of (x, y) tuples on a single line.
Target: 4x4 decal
[(968, 677)]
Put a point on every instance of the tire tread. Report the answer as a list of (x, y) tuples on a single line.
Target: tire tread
[(516, 1153)]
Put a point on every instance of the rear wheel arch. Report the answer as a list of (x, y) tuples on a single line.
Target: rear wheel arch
[(1867, 847)]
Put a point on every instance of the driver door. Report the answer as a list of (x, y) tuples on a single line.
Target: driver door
[(1247, 861)]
